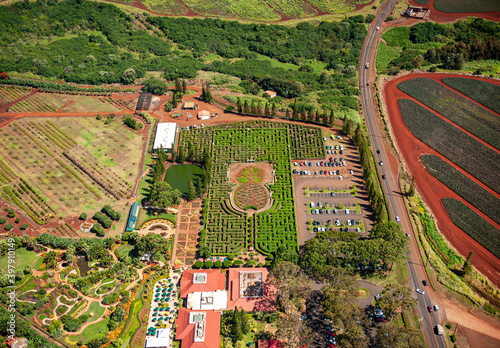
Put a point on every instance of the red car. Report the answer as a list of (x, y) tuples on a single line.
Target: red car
[(383, 176), (429, 308), (380, 320)]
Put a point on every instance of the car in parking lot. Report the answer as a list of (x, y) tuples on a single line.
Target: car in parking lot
[(295, 164), (358, 229), (320, 172), (340, 177), (333, 195), (310, 164), (429, 308), (421, 292), (352, 172), (316, 173)]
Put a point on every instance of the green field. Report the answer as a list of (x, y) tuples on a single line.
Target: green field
[(97, 330), (168, 7), (385, 55), (465, 6), (23, 258), (473, 224), (244, 9), (481, 91)]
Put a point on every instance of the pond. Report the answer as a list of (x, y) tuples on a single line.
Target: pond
[(83, 265), (178, 176)]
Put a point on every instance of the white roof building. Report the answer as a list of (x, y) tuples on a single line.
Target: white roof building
[(166, 133), (215, 300), (162, 339)]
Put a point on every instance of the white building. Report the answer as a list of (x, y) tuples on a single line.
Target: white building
[(166, 134)]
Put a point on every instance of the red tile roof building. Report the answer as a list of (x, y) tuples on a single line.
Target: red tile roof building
[(248, 290), (198, 329), (202, 281)]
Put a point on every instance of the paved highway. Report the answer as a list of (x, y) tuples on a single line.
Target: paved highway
[(395, 198)]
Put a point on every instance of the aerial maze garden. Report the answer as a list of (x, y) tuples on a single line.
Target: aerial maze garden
[(230, 230)]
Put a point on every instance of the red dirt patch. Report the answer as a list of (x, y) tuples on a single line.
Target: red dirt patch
[(432, 190)]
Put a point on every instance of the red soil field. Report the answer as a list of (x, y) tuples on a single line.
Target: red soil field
[(442, 17), (431, 189)]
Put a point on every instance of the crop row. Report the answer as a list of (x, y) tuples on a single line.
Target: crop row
[(460, 148), (65, 230), (472, 117), (62, 134), (463, 186), (120, 103), (49, 133), (54, 87), (473, 224), (10, 93), (27, 209), (34, 103), (481, 91), (7, 174)]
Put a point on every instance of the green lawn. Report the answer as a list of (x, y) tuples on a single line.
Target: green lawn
[(126, 250), (97, 309), (23, 258), (97, 330), (253, 337), (146, 215)]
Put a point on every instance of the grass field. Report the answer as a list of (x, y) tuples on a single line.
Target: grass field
[(463, 186), (168, 7), (333, 6), (463, 6), (480, 91), (292, 8), (457, 146), (244, 9), (468, 115), (97, 330), (385, 54), (23, 258), (397, 37), (473, 224)]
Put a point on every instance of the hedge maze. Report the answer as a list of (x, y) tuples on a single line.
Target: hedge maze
[(231, 231)]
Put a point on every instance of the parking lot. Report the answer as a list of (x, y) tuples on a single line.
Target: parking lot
[(339, 201)]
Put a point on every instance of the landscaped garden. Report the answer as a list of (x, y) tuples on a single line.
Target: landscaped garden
[(229, 230)]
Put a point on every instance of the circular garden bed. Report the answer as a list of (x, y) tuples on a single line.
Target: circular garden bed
[(251, 196)]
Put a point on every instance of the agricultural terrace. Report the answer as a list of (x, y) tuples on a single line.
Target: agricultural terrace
[(473, 224), (463, 112), (480, 91), (466, 188), (462, 149), (69, 165), (456, 173), (229, 230)]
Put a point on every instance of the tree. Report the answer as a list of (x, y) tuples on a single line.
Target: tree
[(154, 86), (291, 284), (205, 252), (184, 86), (395, 300), (198, 264), (178, 87), (83, 216), (8, 227), (191, 194), (162, 195), (11, 213), (266, 110), (3, 221), (292, 332), (24, 227), (411, 189), (239, 105), (273, 110), (391, 335), (295, 115), (152, 243), (209, 264), (51, 259)]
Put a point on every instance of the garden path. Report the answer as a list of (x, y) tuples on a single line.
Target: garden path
[(57, 316)]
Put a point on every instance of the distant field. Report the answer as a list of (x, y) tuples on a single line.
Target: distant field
[(169, 7), (468, 115), (333, 6), (464, 6), (292, 8), (480, 91), (244, 9), (474, 225)]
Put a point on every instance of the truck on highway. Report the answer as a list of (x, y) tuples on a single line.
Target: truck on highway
[(367, 65), (439, 330)]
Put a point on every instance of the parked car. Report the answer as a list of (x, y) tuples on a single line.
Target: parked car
[(352, 172), (340, 177), (295, 164), (333, 194), (358, 229), (310, 164)]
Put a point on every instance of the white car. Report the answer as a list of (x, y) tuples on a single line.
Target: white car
[(381, 163), (340, 177), (295, 164), (352, 172), (358, 229), (397, 218), (420, 291)]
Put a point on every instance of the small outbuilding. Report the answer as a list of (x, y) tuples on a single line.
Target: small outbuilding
[(190, 106), (132, 218), (271, 94), (204, 115)]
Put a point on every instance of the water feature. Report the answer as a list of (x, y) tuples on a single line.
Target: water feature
[(178, 176), (83, 265)]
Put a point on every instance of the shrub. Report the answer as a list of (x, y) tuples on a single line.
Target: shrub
[(105, 221), (209, 264), (3, 221), (227, 263), (251, 263), (448, 326), (230, 256), (453, 338), (18, 220), (99, 117), (8, 227), (218, 264), (113, 214), (198, 264), (97, 228), (24, 227), (11, 213), (83, 216), (238, 263)]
